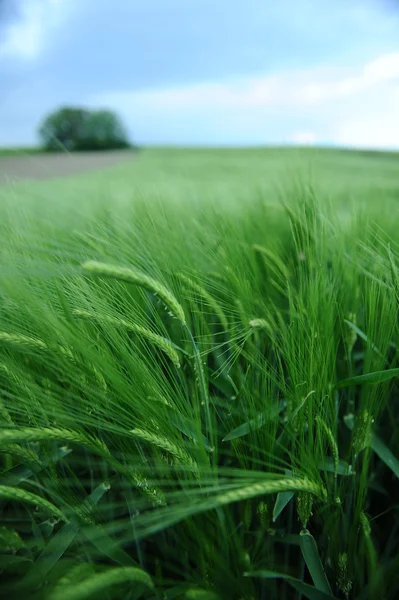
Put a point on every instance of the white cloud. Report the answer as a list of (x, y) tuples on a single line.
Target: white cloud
[(303, 137), (290, 88), (376, 128), (333, 104), (25, 37)]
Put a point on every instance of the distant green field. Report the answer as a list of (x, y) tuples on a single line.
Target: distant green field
[(199, 378), (19, 151)]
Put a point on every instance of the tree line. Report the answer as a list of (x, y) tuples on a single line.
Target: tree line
[(79, 129)]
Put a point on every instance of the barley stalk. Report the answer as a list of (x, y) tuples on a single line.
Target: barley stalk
[(137, 278), (202, 386), (262, 510), (12, 493), (209, 299), (163, 343), (247, 515)]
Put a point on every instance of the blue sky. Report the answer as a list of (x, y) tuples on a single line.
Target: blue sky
[(217, 72)]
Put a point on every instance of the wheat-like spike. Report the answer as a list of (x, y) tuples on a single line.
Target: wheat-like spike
[(26, 454), (13, 493), (31, 434), (209, 299), (331, 441), (137, 278), (344, 582), (155, 495), (158, 340), (179, 455), (21, 342), (261, 324), (362, 432), (40, 434), (365, 525), (5, 415), (100, 378), (304, 503), (99, 582), (271, 487), (200, 594), (74, 575)]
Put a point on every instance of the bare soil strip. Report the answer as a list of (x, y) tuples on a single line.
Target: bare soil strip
[(48, 166)]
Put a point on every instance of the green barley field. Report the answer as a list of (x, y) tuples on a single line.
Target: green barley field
[(199, 378)]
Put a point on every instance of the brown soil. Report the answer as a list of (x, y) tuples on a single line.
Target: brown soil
[(47, 166)]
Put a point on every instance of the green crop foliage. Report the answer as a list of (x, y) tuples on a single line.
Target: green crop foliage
[(199, 378)]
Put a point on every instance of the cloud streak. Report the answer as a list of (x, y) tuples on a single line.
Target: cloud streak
[(292, 88), (352, 106), (24, 37)]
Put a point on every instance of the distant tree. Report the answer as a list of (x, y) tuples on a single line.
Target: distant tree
[(103, 131), (77, 129), (63, 128)]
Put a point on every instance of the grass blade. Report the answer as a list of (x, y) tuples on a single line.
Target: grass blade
[(310, 592), (61, 541), (312, 558), (188, 429), (376, 377), (385, 454), (344, 468), (246, 428), (253, 424), (283, 498)]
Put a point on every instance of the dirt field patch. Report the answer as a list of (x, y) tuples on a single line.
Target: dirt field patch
[(47, 166)]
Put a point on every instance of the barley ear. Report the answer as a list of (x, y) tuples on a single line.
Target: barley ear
[(158, 340), (135, 277), (17, 494)]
